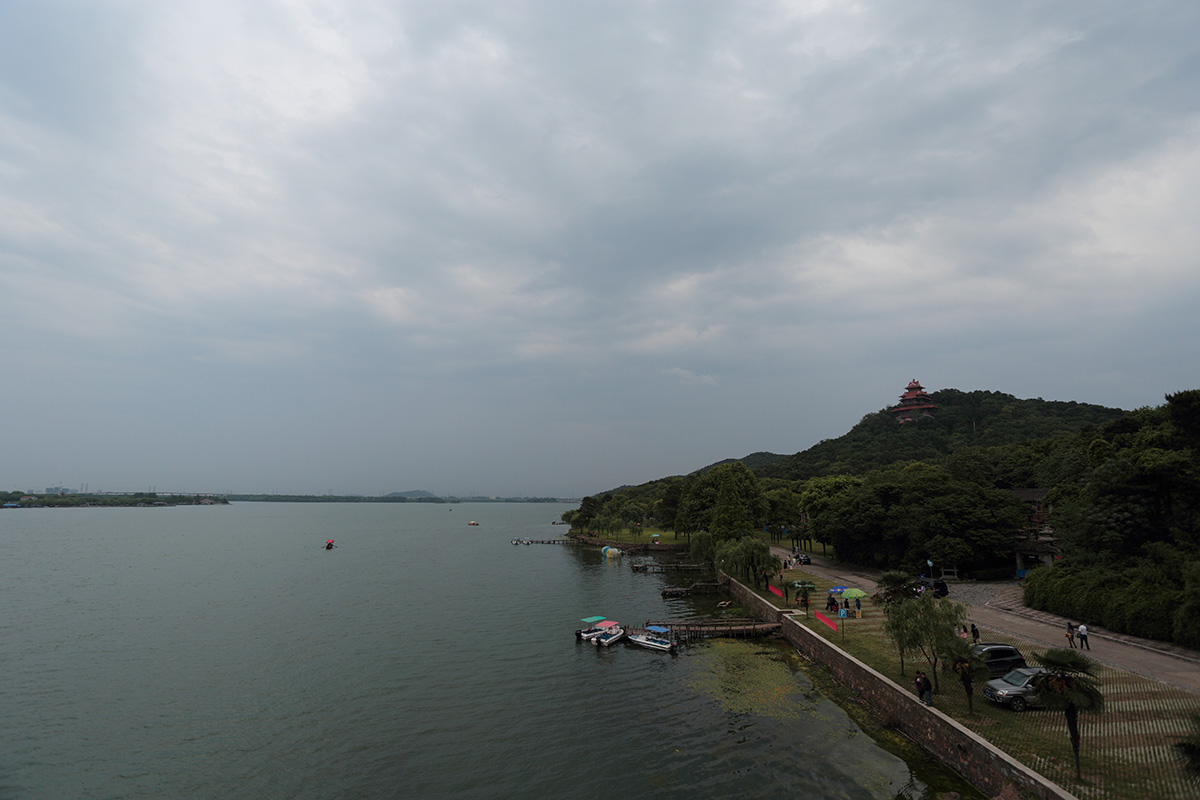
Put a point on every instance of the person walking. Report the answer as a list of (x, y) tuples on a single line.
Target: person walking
[(928, 689), (1071, 635), (1083, 637), (974, 634)]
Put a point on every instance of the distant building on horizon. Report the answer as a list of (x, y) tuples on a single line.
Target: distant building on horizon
[(914, 404)]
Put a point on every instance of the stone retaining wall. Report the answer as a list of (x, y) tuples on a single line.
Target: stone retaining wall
[(979, 761)]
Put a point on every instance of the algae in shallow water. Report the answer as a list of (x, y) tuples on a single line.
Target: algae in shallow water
[(771, 681), (752, 680)]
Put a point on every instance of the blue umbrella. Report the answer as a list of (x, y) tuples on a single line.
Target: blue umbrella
[(837, 590)]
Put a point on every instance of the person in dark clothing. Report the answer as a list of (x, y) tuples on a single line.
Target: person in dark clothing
[(974, 634), (924, 689), (1071, 635)]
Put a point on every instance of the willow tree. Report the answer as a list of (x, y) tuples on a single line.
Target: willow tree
[(1069, 685), (925, 625), (747, 557)]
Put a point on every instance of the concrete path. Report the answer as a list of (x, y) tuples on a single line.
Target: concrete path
[(996, 606)]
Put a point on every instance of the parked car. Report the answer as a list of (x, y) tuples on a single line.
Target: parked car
[(1000, 658), (938, 587), (1015, 689), (804, 559)]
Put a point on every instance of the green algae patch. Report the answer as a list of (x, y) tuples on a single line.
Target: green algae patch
[(758, 680)]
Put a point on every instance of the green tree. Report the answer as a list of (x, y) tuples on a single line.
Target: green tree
[(748, 558), (894, 586), (906, 515), (632, 515), (726, 502), (668, 506), (818, 495), (783, 511), (1069, 685), (926, 625)]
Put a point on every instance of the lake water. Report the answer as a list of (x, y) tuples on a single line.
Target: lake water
[(201, 652)]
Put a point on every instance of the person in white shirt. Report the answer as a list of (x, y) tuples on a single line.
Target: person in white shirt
[(1082, 635)]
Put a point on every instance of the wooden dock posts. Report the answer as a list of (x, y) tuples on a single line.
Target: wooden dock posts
[(731, 627), (698, 587), (657, 567)]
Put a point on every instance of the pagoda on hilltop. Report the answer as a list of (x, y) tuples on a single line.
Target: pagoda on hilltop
[(914, 404)]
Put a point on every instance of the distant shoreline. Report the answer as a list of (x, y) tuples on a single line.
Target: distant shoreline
[(18, 500)]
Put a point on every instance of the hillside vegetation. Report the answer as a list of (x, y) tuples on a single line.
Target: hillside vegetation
[(963, 419), (1122, 491)]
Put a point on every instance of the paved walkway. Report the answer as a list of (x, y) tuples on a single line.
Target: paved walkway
[(996, 606)]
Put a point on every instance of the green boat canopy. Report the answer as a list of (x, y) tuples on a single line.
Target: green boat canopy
[(592, 620)]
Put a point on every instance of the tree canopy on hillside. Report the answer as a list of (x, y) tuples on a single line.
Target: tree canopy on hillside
[(963, 419), (1123, 496)]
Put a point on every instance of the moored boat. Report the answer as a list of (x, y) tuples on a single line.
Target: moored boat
[(590, 629), (656, 637), (613, 633)]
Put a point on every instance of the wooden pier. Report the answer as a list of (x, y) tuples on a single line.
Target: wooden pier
[(699, 587), (658, 567), (730, 627)]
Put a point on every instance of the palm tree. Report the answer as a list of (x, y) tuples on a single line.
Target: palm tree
[(1069, 685), (968, 666), (892, 587), (1188, 750)]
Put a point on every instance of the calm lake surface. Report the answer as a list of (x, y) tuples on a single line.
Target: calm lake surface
[(198, 652)]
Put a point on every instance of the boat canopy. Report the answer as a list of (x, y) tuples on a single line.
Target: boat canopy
[(608, 623), (657, 629), (592, 620)]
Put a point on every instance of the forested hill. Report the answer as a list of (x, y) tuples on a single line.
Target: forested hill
[(963, 419)]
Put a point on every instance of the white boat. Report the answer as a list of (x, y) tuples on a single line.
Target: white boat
[(613, 633), (591, 625), (656, 637)]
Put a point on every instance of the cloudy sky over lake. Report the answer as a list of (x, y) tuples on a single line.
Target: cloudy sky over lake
[(531, 248)]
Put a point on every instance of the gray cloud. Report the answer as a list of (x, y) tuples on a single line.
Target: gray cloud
[(551, 248)]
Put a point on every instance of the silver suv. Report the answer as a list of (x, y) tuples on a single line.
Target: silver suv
[(1015, 689)]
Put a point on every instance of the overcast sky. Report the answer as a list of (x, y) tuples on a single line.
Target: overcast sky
[(549, 248)]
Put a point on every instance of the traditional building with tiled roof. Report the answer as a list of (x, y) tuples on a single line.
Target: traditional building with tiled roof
[(914, 404)]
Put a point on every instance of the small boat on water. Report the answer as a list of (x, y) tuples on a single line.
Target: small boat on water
[(472, 522), (591, 625), (613, 633), (656, 637)]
